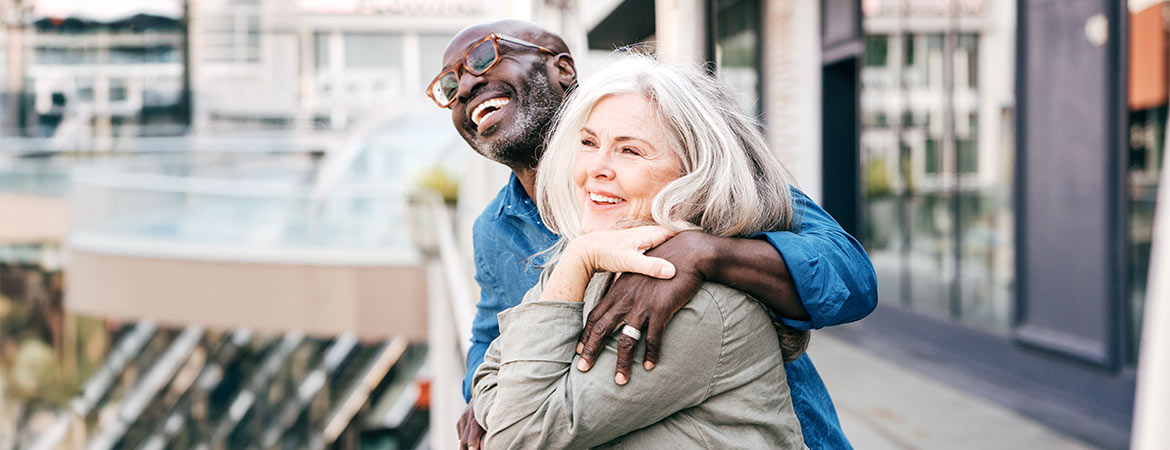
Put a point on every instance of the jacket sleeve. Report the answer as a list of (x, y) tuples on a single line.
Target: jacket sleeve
[(831, 271), (528, 395)]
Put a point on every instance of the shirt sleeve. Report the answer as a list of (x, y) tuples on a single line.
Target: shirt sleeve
[(484, 328), (528, 395), (831, 271)]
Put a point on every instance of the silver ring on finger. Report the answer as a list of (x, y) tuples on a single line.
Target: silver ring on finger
[(632, 332)]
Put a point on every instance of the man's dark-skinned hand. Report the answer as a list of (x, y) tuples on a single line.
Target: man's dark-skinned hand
[(648, 304), (470, 433)]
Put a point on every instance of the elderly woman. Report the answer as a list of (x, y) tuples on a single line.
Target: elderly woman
[(644, 142)]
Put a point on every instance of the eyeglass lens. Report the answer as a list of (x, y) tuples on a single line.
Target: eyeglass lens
[(481, 57), (479, 60), (444, 89)]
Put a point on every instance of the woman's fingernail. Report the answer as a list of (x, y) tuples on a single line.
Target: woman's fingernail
[(580, 348), (667, 271), (648, 365), (620, 379), (583, 365)]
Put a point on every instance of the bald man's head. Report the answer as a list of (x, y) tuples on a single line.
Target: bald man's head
[(528, 31), (505, 112)]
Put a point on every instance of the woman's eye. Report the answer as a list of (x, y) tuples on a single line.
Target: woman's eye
[(631, 150), (588, 142)]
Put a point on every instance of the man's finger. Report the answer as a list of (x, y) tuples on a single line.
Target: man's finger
[(467, 427), (653, 336), (463, 443), (600, 332), (598, 312), (475, 435), (625, 358)]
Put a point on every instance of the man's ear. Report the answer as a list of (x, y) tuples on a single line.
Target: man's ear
[(565, 72)]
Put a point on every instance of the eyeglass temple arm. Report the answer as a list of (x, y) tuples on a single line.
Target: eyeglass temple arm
[(526, 43)]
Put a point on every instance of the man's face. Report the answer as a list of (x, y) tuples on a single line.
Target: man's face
[(504, 113)]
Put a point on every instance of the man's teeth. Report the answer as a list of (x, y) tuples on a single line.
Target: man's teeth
[(479, 114), (604, 199)]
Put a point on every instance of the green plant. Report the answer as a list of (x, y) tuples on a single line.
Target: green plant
[(438, 179)]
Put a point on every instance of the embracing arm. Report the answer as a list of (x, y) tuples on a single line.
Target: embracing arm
[(832, 274), (812, 277), (750, 265)]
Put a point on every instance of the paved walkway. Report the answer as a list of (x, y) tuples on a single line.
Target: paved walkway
[(884, 406)]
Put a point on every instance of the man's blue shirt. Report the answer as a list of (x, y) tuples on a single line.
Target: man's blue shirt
[(830, 269)]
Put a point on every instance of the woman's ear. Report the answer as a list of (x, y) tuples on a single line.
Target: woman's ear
[(565, 71)]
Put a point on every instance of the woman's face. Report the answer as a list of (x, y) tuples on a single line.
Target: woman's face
[(623, 162)]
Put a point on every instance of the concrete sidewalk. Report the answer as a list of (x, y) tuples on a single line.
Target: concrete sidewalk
[(884, 405)]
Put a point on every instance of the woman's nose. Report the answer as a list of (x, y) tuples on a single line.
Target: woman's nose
[(599, 165)]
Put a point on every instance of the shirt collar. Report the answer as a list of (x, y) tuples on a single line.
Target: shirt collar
[(516, 201)]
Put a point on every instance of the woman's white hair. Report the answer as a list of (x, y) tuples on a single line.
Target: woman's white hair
[(731, 184)]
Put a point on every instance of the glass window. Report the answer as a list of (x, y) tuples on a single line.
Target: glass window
[(737, 43), (908, 53), (364, 50), (321, 44), (1147, 117), (118, 90), (932, 164), (1147, 137), (233, 36), (937, 182), (876, 48)]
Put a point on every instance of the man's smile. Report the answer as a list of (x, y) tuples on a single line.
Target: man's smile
[(486, 109)]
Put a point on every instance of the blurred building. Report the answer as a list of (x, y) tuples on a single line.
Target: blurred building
[(276, 63), (76, 76), (999, 161)]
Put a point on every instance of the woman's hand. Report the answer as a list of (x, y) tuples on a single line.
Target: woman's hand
[(623, 251), (610, 250)]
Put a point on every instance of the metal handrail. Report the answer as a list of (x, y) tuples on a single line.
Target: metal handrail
[(147, 388), (389, 353), (309, 387), (247, 397), (210, 376), (98, 385)]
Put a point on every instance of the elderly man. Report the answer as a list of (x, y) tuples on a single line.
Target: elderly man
[(503, 82)]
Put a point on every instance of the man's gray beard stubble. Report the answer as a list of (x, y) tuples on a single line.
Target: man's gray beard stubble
[(520, 142)]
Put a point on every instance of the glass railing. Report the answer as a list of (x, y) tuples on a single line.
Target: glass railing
[(171, 216)]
